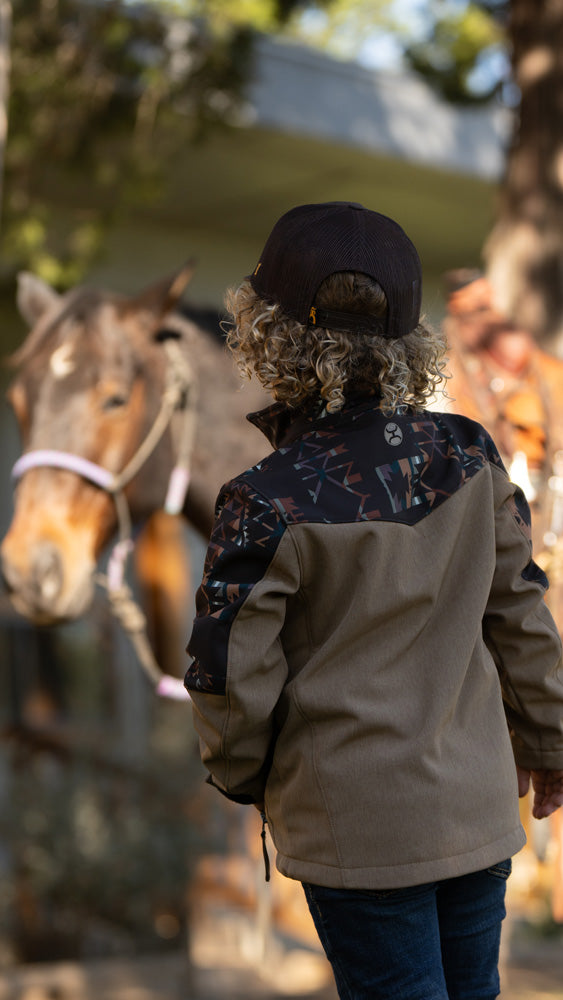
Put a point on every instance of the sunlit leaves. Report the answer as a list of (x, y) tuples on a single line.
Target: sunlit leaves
[(341, 27), (224, 14), (91, 85), (453, 54)]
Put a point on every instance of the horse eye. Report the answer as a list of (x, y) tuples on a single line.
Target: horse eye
[(114, 401)]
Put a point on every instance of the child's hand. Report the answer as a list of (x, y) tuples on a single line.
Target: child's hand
[(548, 790)]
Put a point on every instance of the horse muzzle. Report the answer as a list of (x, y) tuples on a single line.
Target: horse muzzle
[(39, 585)]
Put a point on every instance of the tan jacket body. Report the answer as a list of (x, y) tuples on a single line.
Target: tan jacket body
[(369, 619)]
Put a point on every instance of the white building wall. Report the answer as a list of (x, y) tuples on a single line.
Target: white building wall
[(301, 90)]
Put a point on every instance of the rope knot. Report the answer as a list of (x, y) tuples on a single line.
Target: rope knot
[(127, 610)]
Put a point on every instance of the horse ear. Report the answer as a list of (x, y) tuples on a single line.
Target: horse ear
[(164, 296), (34, 297)]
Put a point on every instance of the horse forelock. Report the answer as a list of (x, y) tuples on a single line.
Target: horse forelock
[(67, 356), (87, 336), (83, 365), (75, 316)]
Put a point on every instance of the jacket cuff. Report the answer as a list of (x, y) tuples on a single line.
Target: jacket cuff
[(538, 760)]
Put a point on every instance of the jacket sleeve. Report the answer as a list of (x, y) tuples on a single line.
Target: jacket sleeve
[(523, 638), (239, 668)]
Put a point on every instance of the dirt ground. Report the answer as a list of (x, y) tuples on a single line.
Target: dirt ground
[(234, 958), (532, 969)]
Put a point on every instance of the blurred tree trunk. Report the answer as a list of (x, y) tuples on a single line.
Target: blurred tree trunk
[(5, 26), (524, 252)]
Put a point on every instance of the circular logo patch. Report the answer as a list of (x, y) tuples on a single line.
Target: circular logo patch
[(393, 434)]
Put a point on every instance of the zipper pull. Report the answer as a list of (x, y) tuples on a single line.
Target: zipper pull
[(264, 848)]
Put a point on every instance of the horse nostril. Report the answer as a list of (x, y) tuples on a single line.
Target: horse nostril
[(47, 573)]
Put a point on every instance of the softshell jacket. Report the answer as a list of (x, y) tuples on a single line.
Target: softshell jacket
[(372, 649)]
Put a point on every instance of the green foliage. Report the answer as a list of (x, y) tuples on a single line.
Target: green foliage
[(342, 26), (262, 15), (103, 94), (457, 43), (446, 41), (92, 85)]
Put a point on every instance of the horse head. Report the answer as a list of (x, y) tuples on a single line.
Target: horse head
[(89, 382)]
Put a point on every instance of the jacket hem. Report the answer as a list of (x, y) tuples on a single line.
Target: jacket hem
[(242, 798), (403, 875)]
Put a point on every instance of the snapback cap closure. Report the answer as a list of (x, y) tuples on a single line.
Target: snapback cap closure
[(347, 322)]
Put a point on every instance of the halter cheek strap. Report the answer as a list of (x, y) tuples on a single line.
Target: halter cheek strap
[(47, 457)]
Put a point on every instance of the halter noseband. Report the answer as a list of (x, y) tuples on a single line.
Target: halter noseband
[(65, 460)]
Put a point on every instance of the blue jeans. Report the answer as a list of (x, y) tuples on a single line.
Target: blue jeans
[(438, 941)]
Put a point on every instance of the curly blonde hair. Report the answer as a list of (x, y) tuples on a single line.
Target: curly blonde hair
[(297, 364)]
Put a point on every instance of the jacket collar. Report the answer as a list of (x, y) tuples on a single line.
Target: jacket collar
[(281, 424)]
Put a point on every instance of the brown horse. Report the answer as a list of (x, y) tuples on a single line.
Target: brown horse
[(97, 376)]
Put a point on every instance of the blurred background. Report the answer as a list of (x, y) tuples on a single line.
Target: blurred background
[(136, 136)]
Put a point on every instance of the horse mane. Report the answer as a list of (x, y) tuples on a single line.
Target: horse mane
[(206, 318)]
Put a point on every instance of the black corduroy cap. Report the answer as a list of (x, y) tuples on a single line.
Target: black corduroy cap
[(311, 242)]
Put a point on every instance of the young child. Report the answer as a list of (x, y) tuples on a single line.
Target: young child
[(372, 652)]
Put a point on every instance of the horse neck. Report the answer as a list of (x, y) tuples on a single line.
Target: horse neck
[(226, 443)]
